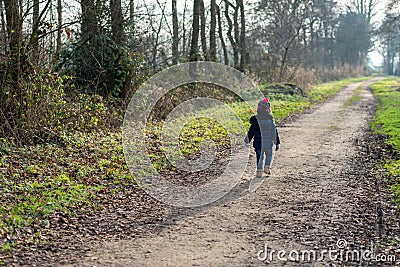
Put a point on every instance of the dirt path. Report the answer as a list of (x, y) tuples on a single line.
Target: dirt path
[(307, 203)]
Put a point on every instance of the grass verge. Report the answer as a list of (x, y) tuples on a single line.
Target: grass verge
[(387, 122)]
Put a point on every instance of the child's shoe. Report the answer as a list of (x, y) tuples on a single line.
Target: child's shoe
[(267, 169), (259, 173)]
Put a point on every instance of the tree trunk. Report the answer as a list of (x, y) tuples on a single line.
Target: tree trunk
[(117, 22), (229, 33), (390, 64), (3, 27), (59, 25), (175, 37), (221, 36), (237, 37), (34, 37), (89, 25), (14, 25), (184, 48), (283, 65), (243, 50), (213, 27), (203, 31), (132, 16), (194, 50), (34, 42), (14, 31)]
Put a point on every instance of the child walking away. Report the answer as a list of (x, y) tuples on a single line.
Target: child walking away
[(265, 134)]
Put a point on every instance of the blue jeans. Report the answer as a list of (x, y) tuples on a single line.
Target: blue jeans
[(261, 154)]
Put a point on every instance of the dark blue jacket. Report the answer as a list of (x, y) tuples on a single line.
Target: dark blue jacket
[(264, 132)]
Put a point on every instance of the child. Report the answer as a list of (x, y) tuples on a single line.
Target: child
[(265, 134)]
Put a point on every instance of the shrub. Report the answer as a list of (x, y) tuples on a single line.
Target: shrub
[(41, 109), (100, 66)]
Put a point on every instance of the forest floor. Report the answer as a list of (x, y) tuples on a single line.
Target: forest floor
[(323, 194)]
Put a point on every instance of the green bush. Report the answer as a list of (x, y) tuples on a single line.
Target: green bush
[(100, 66), (41, 110)]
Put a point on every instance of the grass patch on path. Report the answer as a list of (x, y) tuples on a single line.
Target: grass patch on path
[(387, 122), (353, 99)]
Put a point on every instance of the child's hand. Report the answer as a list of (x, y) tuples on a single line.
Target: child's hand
[(277, 147)]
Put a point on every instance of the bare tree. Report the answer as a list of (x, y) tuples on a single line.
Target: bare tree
[(236, 36), (89, 25), (59, 29), (3, 28), (14, 32), (35, 31), (203, 31), (194, 46), (221, 36), (213, 27), (175, 37), (184, 41), (366, 7), (243, 50), (117, 22), (229, 32), (389, 35), (132, 16)]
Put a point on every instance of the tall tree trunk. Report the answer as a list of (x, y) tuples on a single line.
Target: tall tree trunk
[(132, 16), (243, 50), (34, 37), (203, 31), (14, 25), (194, 46), (117, 22), (221, 36), (184, 48), (35, 32), (390, 64), (237, 36), (89, 25), (229, 33), (59, 25), (175, 37), (213, 27), (3, 27), (14, 31)]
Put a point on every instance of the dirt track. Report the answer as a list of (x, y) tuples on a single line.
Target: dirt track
[(307, 203)]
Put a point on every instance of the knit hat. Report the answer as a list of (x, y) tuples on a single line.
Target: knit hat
[(264, 104)]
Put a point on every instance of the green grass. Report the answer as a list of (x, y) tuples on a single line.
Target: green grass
[(37, 181), (387, 122), (326, 90), (353, 99)]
